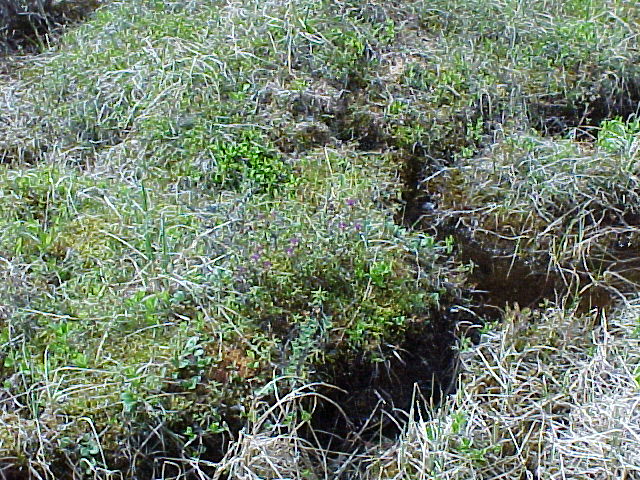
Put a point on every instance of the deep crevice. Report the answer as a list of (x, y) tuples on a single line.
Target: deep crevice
[(30, 28), (373, 398), (557, 116), (498, 277)]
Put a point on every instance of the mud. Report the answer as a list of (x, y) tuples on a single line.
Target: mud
[(497, 280)]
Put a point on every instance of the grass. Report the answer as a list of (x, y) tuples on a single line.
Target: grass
[(211, 211), (568, 206), (534, 402)]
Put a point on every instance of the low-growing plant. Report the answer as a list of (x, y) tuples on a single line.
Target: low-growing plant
[(200, 215), (620, 136)]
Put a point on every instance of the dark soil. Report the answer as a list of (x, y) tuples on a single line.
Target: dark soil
[(28, 31), (374, 398), (560, 116), (10, 473)]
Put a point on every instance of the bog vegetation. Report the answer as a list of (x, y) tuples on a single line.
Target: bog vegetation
[(296, 239)]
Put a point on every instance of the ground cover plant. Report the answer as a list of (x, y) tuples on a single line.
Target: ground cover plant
[(328, 239)]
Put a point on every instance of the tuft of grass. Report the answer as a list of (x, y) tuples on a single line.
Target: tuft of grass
[(547, 392), (540, 396), (563, 205)]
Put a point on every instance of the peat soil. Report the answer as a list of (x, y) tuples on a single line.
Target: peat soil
[(557, 116), (31, 31), (374, 398)]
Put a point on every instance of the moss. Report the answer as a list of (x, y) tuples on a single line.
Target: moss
[(212, 201)]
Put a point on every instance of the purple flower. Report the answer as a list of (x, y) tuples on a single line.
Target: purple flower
[(357, 226), (295, 241), (289, 251), (255, 257), (342, 226), (351, 202), (267, 264)]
